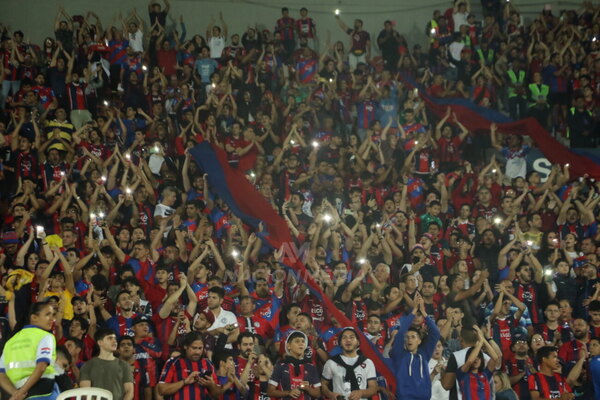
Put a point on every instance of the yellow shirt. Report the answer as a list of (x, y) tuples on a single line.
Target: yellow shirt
[(68, 307)]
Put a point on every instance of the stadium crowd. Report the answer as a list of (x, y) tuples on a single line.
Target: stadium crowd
[(472, 275)]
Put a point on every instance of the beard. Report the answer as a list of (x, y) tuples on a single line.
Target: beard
[(580, 335)]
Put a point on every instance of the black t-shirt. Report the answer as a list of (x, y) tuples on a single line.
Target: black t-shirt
[(160, 16)]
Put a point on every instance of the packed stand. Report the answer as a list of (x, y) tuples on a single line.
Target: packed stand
[(468, 272)]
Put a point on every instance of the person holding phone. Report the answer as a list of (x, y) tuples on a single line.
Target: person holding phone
[(190, 375), (294, 377)]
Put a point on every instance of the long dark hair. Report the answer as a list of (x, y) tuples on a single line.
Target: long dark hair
[(480, 356)]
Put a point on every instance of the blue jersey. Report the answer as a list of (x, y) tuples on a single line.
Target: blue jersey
[(388, 111), (205, 67)]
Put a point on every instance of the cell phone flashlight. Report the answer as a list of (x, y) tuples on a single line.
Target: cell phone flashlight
[(39, 230), (337, 11), (62, 173), (432, 31), (529, 243), (494, 171), (416, 91), (128, 190), (101, 215), (235, 253), (327, 218), (362, 261), (497, 220), (103, 178), (292, 141), (315, 144), (144, 68), (128, 156), (106, 103)]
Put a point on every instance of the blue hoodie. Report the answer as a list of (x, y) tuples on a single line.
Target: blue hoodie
[(412, 370)]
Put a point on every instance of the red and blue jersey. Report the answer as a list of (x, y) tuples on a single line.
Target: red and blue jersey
[(423, 160), (53, 173), (147, 351), (285, 26), (412, 129), (257, 390), (330, 339), (527, 293), (178, 369), (549, 387), (475, 385), (515, 367), (268, 307), (306, 27), (230, 394), (201, 290), (270, 63), (366, 113), (502, 332), (118, 52), (45, 94), (144, 270), (27, 165), (314, 307), (76, 96), (307, 69), (220, 221), (569, 353), (416, 194), (121, 325), (134, 64), (563, 332)]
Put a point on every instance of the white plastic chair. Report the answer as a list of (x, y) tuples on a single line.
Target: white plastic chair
[(88, 393)]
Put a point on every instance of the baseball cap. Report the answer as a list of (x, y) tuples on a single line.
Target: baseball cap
[(139, 319)]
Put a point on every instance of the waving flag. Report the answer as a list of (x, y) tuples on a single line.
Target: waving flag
[(232, 186), (477, 118)]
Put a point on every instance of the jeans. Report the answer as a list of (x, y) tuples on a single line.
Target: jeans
[(11, 87)]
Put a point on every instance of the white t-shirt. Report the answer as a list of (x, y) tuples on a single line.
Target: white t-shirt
[(459, 19), (335, 373), (437, 390), (136, 41), (216, 45), (162, 210), (225, 318), (455, 49)]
